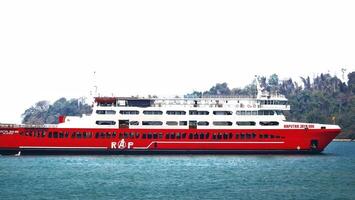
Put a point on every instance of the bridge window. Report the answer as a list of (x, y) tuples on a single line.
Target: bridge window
[(105, 122), (129, 112), (175, 112), (269, 123), (152, 123), (222, 112), (222, 123), (153, 112), (246, 123)]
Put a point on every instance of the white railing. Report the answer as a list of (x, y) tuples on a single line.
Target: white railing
[(28, 126)]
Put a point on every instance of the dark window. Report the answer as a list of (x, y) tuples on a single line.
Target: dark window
[(230, 135), (150, 135), (177, 112), (160, 135), (214, 136), (153, 112), (202, 136), (50, 134), (203, 123), (225, 136), (246, 123), (236, 136), (183, 135), (269, 123), (129, 112), (167, 136), (207, 135), (242, 136), (105, 112), (222, 123), (137, 135), (219, 136), (191, 136), (155, 136), (55, 134), (253, 135), (272, 136), (195, 136), (261, 136), (198, 112), (222, 112), (144, 136), (61, 135), (183, 123), (66, 134), (178, 136), (192, 124), (172, 123), (152, 123), (172, 135), (266, 136), (134, 123), (265, 112), (123, 123), (248, 136), (105, 122), (96, 135)]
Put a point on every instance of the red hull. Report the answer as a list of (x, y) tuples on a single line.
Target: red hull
[(112, 141)]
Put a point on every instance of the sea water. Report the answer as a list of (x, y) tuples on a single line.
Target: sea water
[(330, 175)]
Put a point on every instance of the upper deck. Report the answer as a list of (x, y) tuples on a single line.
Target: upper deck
[(272, 102)]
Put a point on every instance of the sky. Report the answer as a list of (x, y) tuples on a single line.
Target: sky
[(51, 49)]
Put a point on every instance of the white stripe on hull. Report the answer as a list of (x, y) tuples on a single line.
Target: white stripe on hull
[(165, 142)]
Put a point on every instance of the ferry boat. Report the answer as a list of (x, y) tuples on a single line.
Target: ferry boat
[(129, 125)]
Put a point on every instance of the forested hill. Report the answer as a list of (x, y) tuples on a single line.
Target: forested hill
[(323, 99)]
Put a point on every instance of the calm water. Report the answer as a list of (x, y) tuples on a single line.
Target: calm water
[(327, 176)]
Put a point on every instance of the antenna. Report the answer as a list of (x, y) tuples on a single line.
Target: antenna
[(343, 70), (93, 91)]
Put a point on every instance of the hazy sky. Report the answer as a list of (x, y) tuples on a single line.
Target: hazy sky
[(50, 49)]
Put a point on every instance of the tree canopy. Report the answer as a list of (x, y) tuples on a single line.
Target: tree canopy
[(45, 113)]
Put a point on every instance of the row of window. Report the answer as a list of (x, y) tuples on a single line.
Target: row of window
[(191, 112), (193, 123), (136, 135)]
